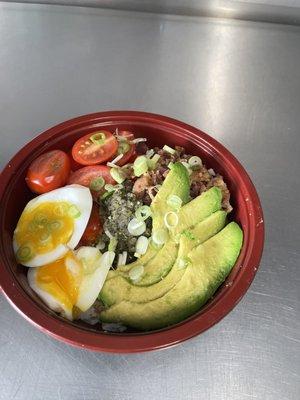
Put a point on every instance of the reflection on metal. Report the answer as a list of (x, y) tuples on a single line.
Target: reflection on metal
[(276, 11)]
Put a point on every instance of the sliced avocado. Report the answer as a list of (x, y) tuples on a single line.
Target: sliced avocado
[(123, 269), (143, 260), (119, 289), (198, 209), (210, 263), (177, 183), (157, 268), (203, 231)]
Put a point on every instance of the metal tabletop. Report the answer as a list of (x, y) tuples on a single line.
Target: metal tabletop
[(238, 81)]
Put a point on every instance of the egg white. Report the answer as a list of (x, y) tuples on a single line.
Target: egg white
[(53, 303), (91, 286), (77, 195), (92, 279)]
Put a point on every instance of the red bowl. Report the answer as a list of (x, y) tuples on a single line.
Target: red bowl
[(159, 130)]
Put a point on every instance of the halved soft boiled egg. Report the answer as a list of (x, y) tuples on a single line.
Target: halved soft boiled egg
[(51, 224), (71, 284)]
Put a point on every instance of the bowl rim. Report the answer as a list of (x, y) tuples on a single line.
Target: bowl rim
[(153, 340)]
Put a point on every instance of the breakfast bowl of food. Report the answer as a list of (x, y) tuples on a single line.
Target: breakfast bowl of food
[(126, 231)]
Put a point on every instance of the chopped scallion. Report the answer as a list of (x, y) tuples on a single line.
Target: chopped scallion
[(97, 183), (174, 201), (136, 227), (195, 162), (117, 174), (140, 165), (153, 161), (141, 245), (74, 212), (112, 244), (124, 147), (136, 273), (143, 212), (171, 219), (24, 253), (169, 149)]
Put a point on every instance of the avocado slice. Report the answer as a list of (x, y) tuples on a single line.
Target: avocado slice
[(189, 215), (177, 183), (198, 209), (122, 269), (119, 289), (211, 262), (157, 268)]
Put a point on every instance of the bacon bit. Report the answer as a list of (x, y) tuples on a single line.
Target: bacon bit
[(141, 184)]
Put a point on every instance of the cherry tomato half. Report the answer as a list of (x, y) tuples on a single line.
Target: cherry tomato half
[(49, 171), (93, 177), (74, 165), (93, 229), (125, 147), (95, 148)]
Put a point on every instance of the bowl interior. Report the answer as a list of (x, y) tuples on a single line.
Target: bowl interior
[(158, 132)]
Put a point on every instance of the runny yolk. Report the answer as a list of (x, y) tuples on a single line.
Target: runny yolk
[(44, 227), (58, 281)]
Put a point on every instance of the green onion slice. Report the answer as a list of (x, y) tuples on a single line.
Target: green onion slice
[(106, 194), (44, 236), (195, 162), (124, 147), (171, 219), (141, 246), (136, 273), (74, 212), (169, 149), (97, 183), (187, 166), (54, 225), (118, 175), (112, 244), (143, 212), (153, 161), (32, 226), (24, 253), (61, 209), (140, 165), (174, 202), (41, 218), (136, 227)]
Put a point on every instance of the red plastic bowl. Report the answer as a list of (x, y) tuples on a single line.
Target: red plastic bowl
[(159, 130)]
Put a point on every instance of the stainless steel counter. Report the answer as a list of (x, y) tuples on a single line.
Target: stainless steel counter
[(238, 81)]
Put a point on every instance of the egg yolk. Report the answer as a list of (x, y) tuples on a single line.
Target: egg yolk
[(61, 282), (44, 227)]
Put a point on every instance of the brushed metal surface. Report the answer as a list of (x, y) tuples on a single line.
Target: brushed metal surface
[(238, 81), (279, 11)]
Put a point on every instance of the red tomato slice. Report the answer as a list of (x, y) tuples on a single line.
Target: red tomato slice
[(125, 147), (49, 171), (91, 177), (94, 148), (93, 229)]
